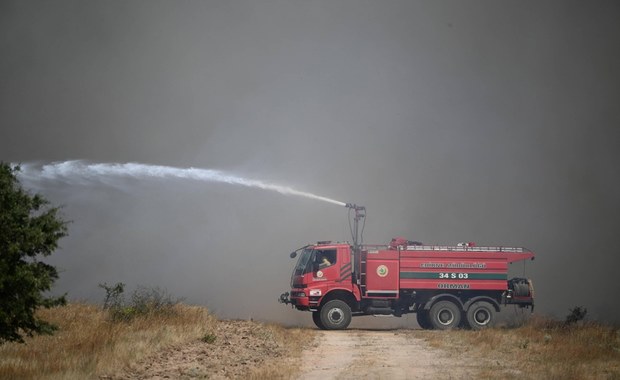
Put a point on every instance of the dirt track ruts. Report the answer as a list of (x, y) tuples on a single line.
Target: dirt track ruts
[(380, 354)]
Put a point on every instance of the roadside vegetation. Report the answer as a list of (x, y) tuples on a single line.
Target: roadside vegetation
[(151, 336), (539, 348), (88, 343)]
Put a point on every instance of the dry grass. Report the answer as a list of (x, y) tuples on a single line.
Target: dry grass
[(287, 366), (88, 344), (540, 349)]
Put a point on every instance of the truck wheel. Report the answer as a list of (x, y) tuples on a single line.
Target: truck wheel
[(445, 315), (316, 318), (424, 320), (335, 315), (480, 315)]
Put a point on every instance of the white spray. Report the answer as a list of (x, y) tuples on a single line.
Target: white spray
[(80, 172)]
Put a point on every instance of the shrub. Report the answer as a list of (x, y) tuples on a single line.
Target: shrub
[(152, 301), (208, 338), (114, 297), (576, 314), (144, 301)]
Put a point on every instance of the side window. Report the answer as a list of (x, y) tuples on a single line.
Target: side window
[(325, 258)]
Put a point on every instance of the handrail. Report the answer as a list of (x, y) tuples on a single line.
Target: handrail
[(459, 248), (464, 248)]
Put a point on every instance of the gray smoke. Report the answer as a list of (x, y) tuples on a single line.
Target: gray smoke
[(480, 121)]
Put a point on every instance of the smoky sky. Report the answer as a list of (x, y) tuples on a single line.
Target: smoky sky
[(485, 121)]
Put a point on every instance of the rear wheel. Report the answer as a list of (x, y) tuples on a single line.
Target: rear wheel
[(335, 315), (316, 318), (423, 318), (445, 315), (480, 315)]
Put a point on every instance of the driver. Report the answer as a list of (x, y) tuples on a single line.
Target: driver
[(324, 262)]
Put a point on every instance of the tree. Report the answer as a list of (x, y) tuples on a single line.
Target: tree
[(29, 230)]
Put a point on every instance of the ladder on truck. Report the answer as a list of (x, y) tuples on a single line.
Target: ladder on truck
[(362, 282)]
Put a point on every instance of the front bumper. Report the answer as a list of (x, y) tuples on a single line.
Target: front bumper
[(299, 299)]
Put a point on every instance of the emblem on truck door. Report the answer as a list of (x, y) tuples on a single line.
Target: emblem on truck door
[(382, 271)]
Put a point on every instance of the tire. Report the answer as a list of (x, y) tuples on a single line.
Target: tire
[(335, 315), (424, 320), (480, 315), (445, 315), (316, 318)]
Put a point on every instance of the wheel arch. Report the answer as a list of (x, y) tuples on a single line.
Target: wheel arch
[(443, 297), (343, 295), (488, 299)]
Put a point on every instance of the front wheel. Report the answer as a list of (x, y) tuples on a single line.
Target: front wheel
[(480, 315), (335, 315), (316, 318), (445, 315)]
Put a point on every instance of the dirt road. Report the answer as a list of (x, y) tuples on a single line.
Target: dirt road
[(243, 348), (380, 354)]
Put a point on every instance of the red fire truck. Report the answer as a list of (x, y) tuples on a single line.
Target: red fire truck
[(463, 285)]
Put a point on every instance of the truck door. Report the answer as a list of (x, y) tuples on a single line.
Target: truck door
[(325, 265)]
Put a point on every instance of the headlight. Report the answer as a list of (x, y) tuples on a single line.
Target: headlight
[(298, 294), (315, 293)]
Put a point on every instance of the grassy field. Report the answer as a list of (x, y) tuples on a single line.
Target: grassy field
[(540, 349), (188, 342), (89, 345)]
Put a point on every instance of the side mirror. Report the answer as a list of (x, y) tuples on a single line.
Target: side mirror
[(293, 254)]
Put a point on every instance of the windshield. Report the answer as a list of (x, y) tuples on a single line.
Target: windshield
[(304, 262)]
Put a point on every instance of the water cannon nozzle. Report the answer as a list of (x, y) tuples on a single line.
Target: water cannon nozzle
[(355, 207)]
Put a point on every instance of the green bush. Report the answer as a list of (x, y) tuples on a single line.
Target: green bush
[(208, 338), (29, 232), (144, 301)]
